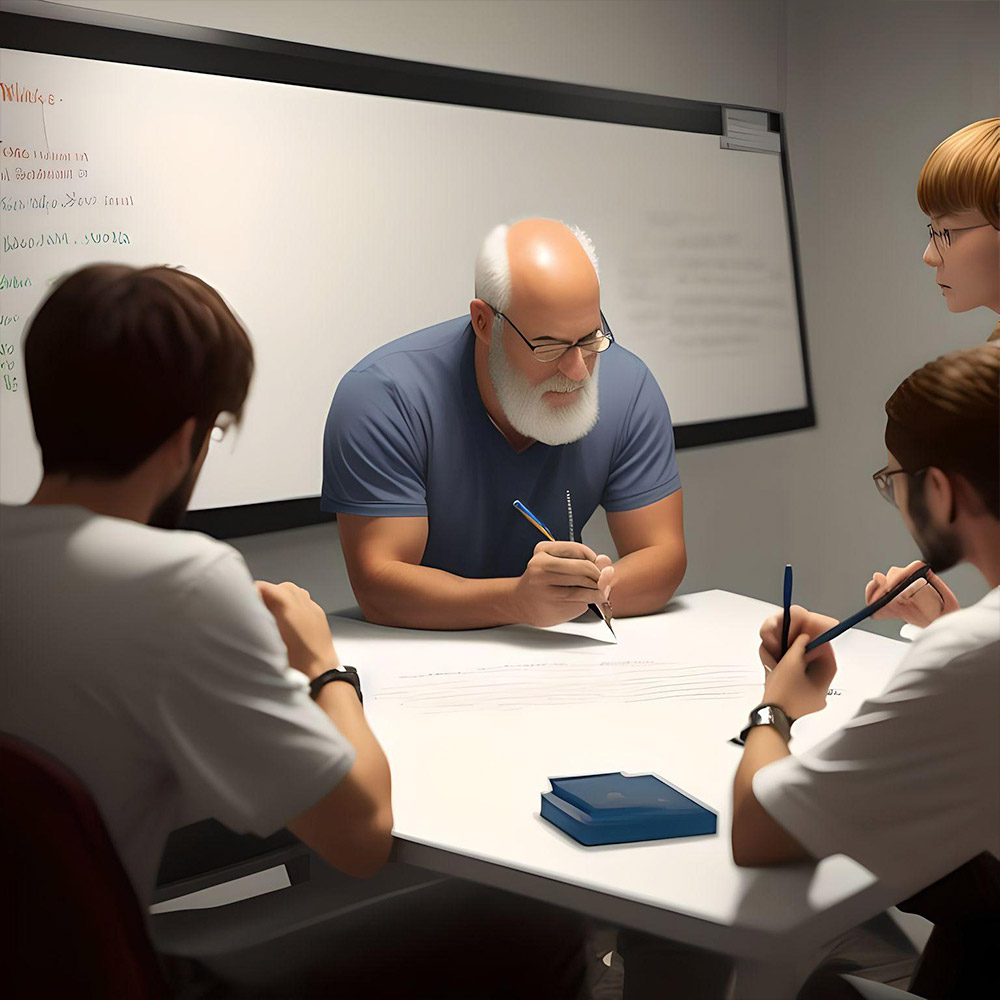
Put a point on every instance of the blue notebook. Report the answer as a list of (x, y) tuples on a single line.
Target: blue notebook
[(618, 809)]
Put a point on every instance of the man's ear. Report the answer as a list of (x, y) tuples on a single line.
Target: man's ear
[(939, 495), (967, 498), (177, 449), (482, 320)]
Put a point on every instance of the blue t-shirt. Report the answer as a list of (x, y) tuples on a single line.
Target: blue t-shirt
[(408, 435)]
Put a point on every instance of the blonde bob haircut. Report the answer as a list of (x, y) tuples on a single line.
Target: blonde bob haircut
[(963, 173)]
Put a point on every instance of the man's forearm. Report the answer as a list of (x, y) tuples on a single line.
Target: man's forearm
[(646, 579), (408, 596), (757, 838), (340, 702)]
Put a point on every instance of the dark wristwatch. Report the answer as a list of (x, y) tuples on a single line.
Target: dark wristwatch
[(344, 673), (769, 715)]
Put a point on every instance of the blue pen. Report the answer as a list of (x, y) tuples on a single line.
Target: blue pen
[(868, 611), (786, 618)]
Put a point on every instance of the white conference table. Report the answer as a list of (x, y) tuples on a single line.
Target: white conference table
[(474, 723)]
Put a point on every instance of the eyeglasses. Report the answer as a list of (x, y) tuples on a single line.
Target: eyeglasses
[(942, 238), (593, 343), (883, 482)]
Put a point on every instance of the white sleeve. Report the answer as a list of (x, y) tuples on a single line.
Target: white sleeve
[(908, 787), (235, 722)]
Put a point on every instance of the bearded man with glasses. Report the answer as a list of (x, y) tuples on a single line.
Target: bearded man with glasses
[(910, 786), (431, 438)]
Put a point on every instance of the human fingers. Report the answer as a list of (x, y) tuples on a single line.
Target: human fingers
[(766, 658), (795, 657), (897, 574), (567, 550), (573, 595), (801, 620), (949, 601), (822, 669), (271, 594), (876, 586), (566, 582), (770, 636), (903, 606), (602, 561), (577, 569)]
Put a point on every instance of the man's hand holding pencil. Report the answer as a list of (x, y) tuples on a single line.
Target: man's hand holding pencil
[(797, 681), (560, 581)]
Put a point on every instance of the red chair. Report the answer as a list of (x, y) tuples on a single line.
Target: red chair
[(77, 928)]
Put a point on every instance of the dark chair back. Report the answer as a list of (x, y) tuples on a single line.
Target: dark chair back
[(959, 960), (77, 927)]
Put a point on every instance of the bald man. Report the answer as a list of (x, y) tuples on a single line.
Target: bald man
[(431, 438)]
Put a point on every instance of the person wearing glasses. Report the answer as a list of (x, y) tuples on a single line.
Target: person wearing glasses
[(431, 438), (959, 190), (910, 786)]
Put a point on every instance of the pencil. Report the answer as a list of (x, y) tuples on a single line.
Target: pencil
[(537, 522)]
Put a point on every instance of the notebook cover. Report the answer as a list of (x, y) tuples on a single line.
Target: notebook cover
[(615, 808)]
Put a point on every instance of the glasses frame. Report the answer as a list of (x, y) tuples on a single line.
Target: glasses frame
[(945, 235), (609, 339), (883, 482)]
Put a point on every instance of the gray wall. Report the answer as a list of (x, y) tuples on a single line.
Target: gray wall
[(868, 87)]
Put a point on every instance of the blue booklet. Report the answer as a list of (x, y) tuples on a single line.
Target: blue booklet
[(618, 809)]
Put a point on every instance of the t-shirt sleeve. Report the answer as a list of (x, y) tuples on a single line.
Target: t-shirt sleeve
[(374, 454), (237, 726), (644, 466), (908, 786)]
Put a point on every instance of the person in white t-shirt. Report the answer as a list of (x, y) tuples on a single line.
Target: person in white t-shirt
[(147, 660), (910, 786)]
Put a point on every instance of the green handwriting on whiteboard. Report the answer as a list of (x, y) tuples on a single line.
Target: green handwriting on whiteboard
[(36, 241)]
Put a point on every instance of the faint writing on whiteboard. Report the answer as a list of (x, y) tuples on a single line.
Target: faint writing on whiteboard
[(704, 288)]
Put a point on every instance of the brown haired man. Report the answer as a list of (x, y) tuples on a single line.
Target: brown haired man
[(910, 787), (145, 659)]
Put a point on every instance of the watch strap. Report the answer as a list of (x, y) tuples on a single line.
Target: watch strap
[(769, 715), (344, 673)]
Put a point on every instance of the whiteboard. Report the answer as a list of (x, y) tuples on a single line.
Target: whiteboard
[(333, 222)]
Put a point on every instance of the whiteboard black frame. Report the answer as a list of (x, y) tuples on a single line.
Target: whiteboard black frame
[(35, 26)]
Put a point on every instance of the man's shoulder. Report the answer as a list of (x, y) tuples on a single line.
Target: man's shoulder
[(111, 549), (623, 376), (970, 636), (627, 387), (435, 348)]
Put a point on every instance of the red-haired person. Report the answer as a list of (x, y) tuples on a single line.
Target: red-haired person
[(959, 191)]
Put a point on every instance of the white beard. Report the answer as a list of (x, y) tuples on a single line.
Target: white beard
[(524, 407)]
